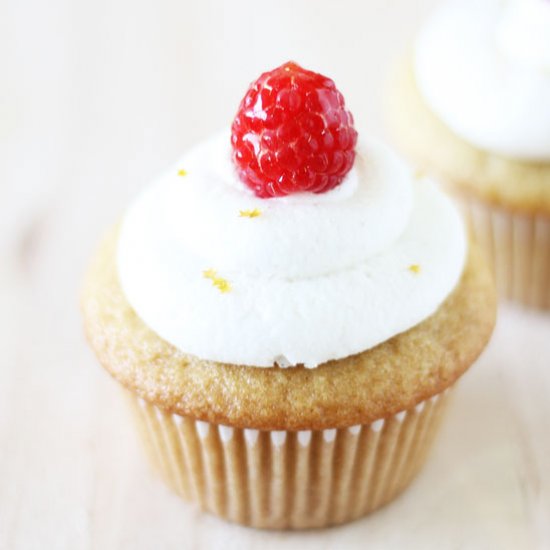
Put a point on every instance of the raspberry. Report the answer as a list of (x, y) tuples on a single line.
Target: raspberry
[(292, 133)]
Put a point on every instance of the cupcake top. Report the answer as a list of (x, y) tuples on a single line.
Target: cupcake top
[(288, 244), (484, 68)]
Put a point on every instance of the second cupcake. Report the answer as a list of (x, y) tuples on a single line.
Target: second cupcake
[(471, 105)]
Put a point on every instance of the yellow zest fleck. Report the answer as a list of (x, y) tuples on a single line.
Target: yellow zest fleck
[(250, 213), (182, 172), (419, 174), (223, 285), (414, 268)]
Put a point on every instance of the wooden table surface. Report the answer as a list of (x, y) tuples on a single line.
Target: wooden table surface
[(95, 99)]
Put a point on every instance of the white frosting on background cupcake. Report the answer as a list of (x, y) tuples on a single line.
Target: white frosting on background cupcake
[(483, 67), (307, 279)]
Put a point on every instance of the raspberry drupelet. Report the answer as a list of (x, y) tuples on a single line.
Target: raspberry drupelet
[(293, 133)]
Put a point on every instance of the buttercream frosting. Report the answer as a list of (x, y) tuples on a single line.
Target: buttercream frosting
[(304, 279), (483, 66)]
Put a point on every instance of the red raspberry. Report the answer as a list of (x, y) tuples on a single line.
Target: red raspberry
[(292, 133)]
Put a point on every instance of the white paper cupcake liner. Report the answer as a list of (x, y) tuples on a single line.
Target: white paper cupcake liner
[(289, 480), (518, 248)]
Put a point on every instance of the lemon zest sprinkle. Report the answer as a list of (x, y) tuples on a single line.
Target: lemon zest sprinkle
[(414, 268), (223, 285), (250, 213), (182, 172), (419, 174)]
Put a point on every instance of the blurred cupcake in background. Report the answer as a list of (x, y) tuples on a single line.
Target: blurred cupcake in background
[(471, 104)]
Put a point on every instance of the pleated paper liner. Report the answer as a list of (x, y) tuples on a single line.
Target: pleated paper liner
[(518, 249), (289, 480)]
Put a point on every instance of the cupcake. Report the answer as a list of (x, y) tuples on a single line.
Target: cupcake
[(286, 310), (471, 105)]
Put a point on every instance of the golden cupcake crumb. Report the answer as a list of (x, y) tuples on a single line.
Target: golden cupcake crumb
[(223, 285), (250, 213), (182, 172), (417, 363), (414, 268)]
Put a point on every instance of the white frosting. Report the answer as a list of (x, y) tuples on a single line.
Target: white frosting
[(483, 67), (313, 278), (295, 236), (524, 32)]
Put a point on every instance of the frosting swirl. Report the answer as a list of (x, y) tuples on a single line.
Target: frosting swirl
[(484, 68), (306, 278), (296, 236)]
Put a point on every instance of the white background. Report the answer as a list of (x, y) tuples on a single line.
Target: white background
[(98, 96)]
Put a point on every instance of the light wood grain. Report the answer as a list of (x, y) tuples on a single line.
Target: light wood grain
[(98, 97)]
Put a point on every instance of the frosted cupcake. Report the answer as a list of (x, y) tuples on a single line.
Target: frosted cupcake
[(472, 105), (287, 311)]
